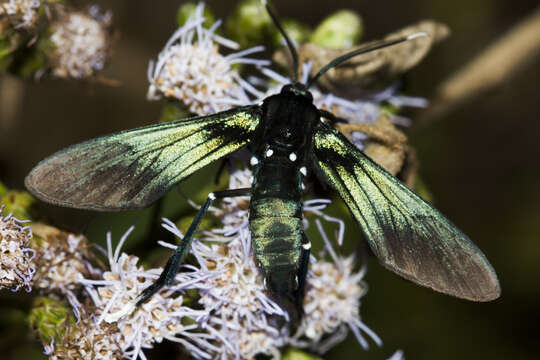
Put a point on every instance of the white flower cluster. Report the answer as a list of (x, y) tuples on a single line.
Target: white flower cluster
[(232, 316), (162, 317), (21, 13), (332, 303), (86, 340), (62, 261), (190, 68), (16, 267), (237, 318), (81, 43)]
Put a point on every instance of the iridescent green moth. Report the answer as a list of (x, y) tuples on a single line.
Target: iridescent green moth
[(288, 137)]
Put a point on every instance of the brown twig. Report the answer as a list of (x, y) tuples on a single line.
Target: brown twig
[(490, 68)]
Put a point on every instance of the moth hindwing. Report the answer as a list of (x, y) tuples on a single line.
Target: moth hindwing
[(408, 235)]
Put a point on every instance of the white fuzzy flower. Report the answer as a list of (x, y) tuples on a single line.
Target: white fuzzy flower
[(21, 13), (159, 318), (62, 259), (81, 44), (333, 293), (332, 304), (190, 68), (16, 268), (86, 340)]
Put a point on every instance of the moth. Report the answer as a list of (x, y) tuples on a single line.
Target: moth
[(288, 138)]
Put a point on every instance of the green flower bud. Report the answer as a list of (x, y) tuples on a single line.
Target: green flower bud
[(297, 31), (50, 318), (295, 354), (187, 9), (18, 203), (250, 24), (341, 30)]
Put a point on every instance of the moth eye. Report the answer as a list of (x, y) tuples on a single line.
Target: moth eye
[(269, 153), (253, 161), (306, 246)]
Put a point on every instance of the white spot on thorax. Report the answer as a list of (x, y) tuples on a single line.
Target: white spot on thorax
[(292, 157), (269, 153), (303, 170), (306, 246), (212, 196), (253, 161)]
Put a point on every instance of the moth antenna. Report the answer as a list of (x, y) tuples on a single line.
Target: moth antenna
[(363, 50), (287, 40)]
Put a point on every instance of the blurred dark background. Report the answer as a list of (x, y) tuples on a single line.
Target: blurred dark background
[(480, 161)]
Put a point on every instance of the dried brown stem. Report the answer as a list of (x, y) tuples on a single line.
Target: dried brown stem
[(490, 68)]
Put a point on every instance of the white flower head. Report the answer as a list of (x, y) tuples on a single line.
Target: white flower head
[(81, 43), (190, 68), (21, 13), (332, 304), (62, 259), (161, 317), (16, 267), (333, 292), (86, 340)]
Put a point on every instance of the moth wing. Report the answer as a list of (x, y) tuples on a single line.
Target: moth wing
[(408, 235), (133, 168)]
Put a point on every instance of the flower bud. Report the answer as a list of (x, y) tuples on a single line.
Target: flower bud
[(342, 29)]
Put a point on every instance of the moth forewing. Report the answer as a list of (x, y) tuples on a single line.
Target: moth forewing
[(133, 168), (408, 235)]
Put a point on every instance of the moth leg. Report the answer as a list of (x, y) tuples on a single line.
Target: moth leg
[(331, 117), (175, 261)]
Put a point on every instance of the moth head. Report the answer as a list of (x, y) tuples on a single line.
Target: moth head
[(297, 89)]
